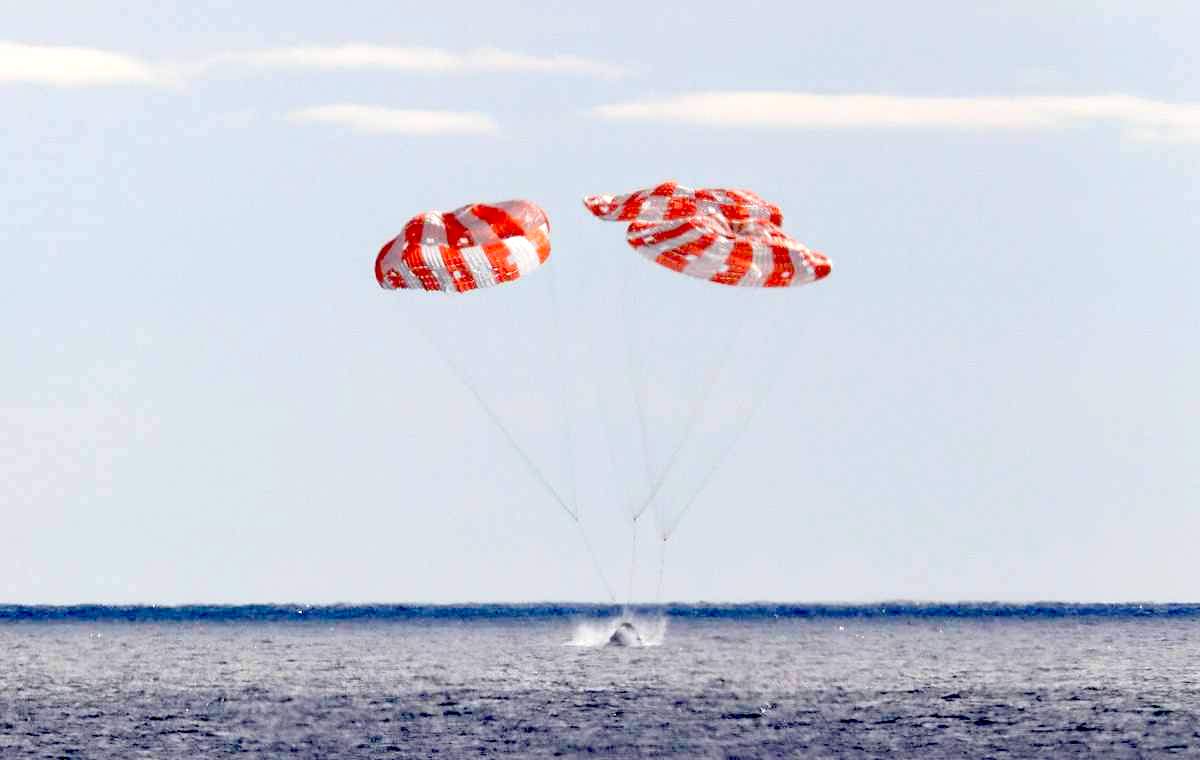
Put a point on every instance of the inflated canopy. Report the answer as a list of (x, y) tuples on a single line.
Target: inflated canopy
[(476, 246), (731, 237)]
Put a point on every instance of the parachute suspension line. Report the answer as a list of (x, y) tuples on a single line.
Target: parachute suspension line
[(533, 468), (740, 427), (564, 405), (630, 497), (605, 393), (614, 469), (495, 419), (595, 560), (637, 383), (710, 381), (662, 561), (568, 438), (632, 562)]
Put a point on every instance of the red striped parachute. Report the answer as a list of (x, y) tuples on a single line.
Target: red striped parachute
[(691, 389), (691, 417), (476, 246), (731, 237)]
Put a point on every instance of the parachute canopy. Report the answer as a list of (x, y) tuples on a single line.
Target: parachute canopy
[(476, 246), (731, 237)]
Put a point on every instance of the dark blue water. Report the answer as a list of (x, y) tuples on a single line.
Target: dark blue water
[(890, 680), (752, 611)]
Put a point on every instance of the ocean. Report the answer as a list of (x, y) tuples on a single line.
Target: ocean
[(714, 681)]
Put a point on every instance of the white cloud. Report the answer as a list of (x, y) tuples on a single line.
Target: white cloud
[(419, 59), (72, 66), (1141, 118), (375, 119), (79, 66)]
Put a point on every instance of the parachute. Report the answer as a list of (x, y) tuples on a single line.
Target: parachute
[(476, 246), (731, 237), (480, 246), (724, 236)]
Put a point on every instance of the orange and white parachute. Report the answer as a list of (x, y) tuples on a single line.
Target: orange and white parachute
[(481, 245), (476, 246), (731, 237)]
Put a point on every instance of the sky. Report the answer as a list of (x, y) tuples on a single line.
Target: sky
[(206, 398)]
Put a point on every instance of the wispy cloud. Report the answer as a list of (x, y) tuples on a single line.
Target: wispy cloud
[(1140, 118), (378, 120), (360, 56), (65, 66)]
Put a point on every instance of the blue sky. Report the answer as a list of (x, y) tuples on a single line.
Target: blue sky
[(207, 398)]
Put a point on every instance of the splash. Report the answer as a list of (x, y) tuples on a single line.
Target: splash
[(596, 633)]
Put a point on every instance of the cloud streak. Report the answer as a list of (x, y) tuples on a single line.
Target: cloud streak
[(361, 57), (379, 120), (1140, 118), (64, 66)]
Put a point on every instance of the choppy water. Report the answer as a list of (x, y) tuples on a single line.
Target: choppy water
[(530, 681)]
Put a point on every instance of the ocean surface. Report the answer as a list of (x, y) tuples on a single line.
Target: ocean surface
[(745, 681)]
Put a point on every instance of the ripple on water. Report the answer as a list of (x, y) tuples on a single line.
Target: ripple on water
[(716, 688)]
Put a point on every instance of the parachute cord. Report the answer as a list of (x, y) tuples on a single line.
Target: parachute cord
[(606, 393), (595, 560), (613, 465), (662, 561), (741, 425), (710, 380), (457, 371), (632, 562), (636, 382), (568, 437), (564, 405)]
